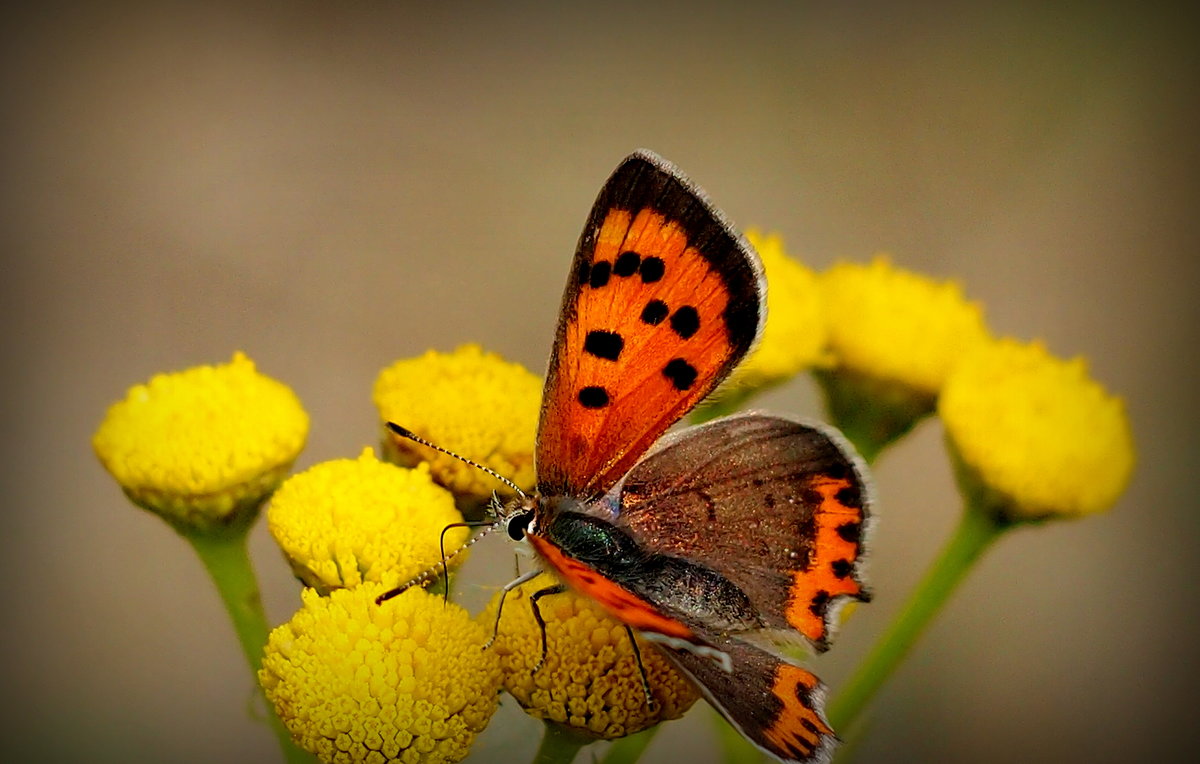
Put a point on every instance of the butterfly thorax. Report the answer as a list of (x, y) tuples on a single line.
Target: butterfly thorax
[(576, 540)]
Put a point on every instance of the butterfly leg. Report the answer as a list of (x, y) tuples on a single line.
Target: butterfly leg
[(637, 655), (541, 622), (500, 606)]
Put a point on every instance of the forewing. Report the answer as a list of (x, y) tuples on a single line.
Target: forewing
[(664, 298), (773, 505)]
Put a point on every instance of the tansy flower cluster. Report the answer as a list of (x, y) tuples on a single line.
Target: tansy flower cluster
[(590, 681), (443, 396), (204, 446), (349, 521), (362, 674), (404, 681), (1044, 441)]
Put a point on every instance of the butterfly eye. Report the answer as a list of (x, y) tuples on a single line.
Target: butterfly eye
[(519, 523)]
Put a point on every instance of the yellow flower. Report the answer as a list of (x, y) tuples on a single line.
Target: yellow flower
[(1034, 436), (891, 324), (894, 336), (590, 681), (203, 447), (404, 681), (794, 336), (347, 521), (470, 402)]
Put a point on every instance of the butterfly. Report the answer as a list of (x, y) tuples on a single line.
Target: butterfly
[(723, 542)]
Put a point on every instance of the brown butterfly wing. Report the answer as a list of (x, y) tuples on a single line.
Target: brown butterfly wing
[(775, 704), (774, 506), (664, 298)]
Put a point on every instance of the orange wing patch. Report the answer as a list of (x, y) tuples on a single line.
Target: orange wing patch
[(620, 603), (798, 731), (831, 561), (645, 340)]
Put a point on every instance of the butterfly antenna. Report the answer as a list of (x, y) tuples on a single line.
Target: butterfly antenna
[(404, 432), (442, 567)]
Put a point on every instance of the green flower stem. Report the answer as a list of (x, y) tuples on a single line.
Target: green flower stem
[(871, 413), (976, 531), (559, 745), (227, 560), (628, 750)]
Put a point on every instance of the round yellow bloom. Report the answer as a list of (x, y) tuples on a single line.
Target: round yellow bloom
[(404, 681), (794, 336), (590, 681), (347, 521), (1035, 434), (203, 447), (890, 324), (470, 402)]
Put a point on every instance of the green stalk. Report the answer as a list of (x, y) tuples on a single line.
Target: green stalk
[(976, 531), (559, 745), (871, 413), (628, 750), (227, 560)]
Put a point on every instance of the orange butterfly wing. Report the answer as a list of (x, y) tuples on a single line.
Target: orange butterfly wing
[(663, 300)]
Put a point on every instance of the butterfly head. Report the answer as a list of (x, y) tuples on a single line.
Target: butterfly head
[(519, 516)]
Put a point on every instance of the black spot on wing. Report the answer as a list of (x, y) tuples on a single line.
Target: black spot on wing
[(850, 532), (681, 373), (655, 312), (652, 269), (593, 397), (627, 264), (819, 601), (850, 496), (600, 273), (685, 321), (602, 344)]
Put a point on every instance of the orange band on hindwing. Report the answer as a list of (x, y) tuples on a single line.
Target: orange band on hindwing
[(798, 729), (620, 603), (832, 560)]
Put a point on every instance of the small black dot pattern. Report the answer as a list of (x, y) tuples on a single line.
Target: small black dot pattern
[(681, 373), (684, 321), (602, 344), (627, 264), (655, 312), (593, 397)]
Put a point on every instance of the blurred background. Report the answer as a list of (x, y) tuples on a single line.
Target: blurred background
[(331, 188)]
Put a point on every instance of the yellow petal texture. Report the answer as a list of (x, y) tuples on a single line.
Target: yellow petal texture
[(197, 446), (405, 681), (894, 325), (1037, 432), (347, 521), (590, 681), (470, 402), (794, 335)]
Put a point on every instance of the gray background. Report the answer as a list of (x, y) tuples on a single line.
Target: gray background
[(333, 188)]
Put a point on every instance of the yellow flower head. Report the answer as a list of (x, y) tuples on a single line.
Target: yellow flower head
[(203, 447), (405, 681), (891, 324), (795, 333), (347, 521), (1034, 436), (590, 681), (470, 402)]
